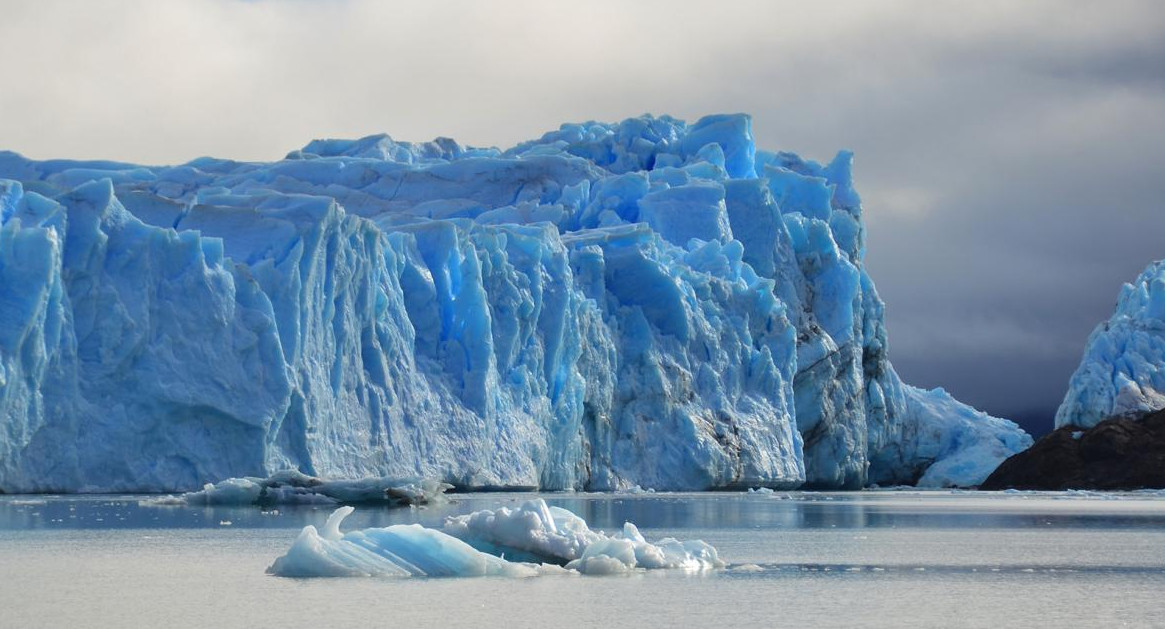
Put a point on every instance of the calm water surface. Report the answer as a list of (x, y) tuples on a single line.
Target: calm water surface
[(888, 559)]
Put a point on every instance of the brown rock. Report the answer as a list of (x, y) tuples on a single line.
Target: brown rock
[(1117, 454)]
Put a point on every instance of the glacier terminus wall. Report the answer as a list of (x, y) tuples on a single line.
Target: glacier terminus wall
[(649, 303)]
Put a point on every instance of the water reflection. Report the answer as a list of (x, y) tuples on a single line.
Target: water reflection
[(796, 510)]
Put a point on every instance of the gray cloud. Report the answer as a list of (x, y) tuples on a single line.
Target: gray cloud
[(1009, 154)]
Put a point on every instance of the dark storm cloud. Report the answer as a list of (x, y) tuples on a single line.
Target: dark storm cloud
[(1009, 154)]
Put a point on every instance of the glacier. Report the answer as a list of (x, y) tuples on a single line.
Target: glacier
[(532, 539), (1122, 372), (649, 303)]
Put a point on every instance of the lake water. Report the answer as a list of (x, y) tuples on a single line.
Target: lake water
[(882, 558)]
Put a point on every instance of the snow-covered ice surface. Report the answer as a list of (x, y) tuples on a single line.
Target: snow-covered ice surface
[(1122, 373), (643, 304), (527, 541)]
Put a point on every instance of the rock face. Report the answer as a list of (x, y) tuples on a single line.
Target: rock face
[(1118, 453), (645, 303)]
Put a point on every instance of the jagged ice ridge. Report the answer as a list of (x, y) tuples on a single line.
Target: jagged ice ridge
[(1122, 372), (648, 303)]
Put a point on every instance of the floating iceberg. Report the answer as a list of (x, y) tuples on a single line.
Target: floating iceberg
[(291, 487), (543, 534), (1122, 373), (530, 540), (648, 303), (402, 550)]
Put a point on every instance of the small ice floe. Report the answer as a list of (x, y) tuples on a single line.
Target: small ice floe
[(768, 492), (292, 487), (534, 539), (1078, 494), (746, 567), (225, 523)]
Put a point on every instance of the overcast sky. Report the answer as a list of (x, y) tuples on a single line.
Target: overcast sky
[(1010, 155)]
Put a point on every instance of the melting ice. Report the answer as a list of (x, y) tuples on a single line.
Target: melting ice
[(291, 487), (533, 539)]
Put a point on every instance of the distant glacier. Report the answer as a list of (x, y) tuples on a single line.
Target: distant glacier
[(1122, 372), (648, 303)]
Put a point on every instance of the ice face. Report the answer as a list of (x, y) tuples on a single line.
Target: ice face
[(1122, 372), (648, 303), (945, 443), (522, 542)]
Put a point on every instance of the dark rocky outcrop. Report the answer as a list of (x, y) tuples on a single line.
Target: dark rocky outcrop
[(1118, 453)]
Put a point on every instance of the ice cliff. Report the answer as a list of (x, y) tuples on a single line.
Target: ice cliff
[(1122, 373), (645, 303)]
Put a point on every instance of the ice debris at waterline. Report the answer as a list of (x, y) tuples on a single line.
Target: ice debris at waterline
[(648, 303), (1122, 373), (533, 539), (292, 487)]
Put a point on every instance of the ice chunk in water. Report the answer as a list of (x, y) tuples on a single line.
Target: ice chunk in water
[(291, 487), (485, 543)]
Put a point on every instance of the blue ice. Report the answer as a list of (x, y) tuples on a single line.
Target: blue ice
[(648, 303)]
